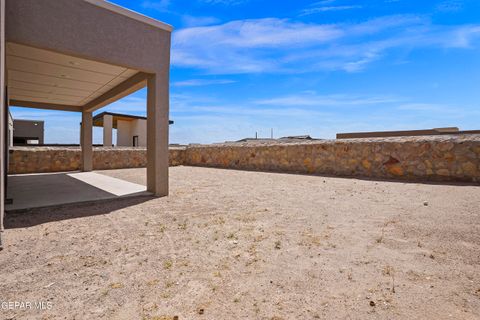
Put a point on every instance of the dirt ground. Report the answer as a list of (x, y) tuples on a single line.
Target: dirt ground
[(247, 245)]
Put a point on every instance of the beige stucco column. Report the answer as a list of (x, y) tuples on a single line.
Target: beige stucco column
[(157, 134), (3, 156), (86, 141), (107, 130)]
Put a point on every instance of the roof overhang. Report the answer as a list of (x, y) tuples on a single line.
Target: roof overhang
[(109, 53), (131, 14), (50, 78)]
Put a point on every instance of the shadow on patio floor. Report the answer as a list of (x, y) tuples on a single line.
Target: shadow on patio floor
[(32, 217), (41, 198), (52, 189)]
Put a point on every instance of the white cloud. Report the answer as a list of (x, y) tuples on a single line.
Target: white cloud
[(315, 10), (160, 5), (224, 2), (260, 33), (465, 36), (202, 118), (322, 3), (446, 110), (206, 119), (191, 21), (237, 46), (315, 100), (201, 82), (164, 5), (450, 6), (282, 45)]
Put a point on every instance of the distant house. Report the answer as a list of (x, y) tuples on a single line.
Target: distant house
[(27, 132), (131, 130), (272, 140), (405, 133), (305, 137)]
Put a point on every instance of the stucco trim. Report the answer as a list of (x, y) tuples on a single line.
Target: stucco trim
[(131, 14)]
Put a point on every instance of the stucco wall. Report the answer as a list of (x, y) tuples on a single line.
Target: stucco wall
[(438, 158), (56, 159), (139, 128), (127, 129), (2, 111), (124, 136)]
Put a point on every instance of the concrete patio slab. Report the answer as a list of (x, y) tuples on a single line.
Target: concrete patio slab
[(111, 185), (52, 189)]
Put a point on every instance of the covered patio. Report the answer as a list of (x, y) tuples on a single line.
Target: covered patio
[(80, 56)]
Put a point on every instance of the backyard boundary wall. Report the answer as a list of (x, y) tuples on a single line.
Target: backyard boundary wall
[(427, 158), (60, 159), (436, 158)]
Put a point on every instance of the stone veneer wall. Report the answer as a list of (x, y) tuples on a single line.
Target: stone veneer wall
[(429, 158), (57, 159)]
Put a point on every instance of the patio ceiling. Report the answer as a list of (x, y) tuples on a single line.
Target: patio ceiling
[(37, 76)]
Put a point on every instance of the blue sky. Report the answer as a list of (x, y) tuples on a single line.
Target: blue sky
[(308, 67)]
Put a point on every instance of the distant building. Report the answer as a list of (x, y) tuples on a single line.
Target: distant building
[(305, 137), (131, 130), (405, 133), (271, 140), (27, 132)]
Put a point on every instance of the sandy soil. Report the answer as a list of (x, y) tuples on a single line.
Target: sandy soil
[(249, 245)]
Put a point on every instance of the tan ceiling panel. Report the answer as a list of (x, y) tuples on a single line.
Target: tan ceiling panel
[(97, 93), (31, 53), (43, 100), (110, 85), (48, 77), (55, 70), (51, 81), (46, 101), (116, 81), (48, 89), (43, 96), (104, 89), (128, 73)]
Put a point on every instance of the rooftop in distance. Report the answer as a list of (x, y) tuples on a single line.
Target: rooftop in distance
[(405, 133), (98, 119)]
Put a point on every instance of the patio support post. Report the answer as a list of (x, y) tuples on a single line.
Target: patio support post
[(3, 114), (107, 130), (86, 141), (157, 133)]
